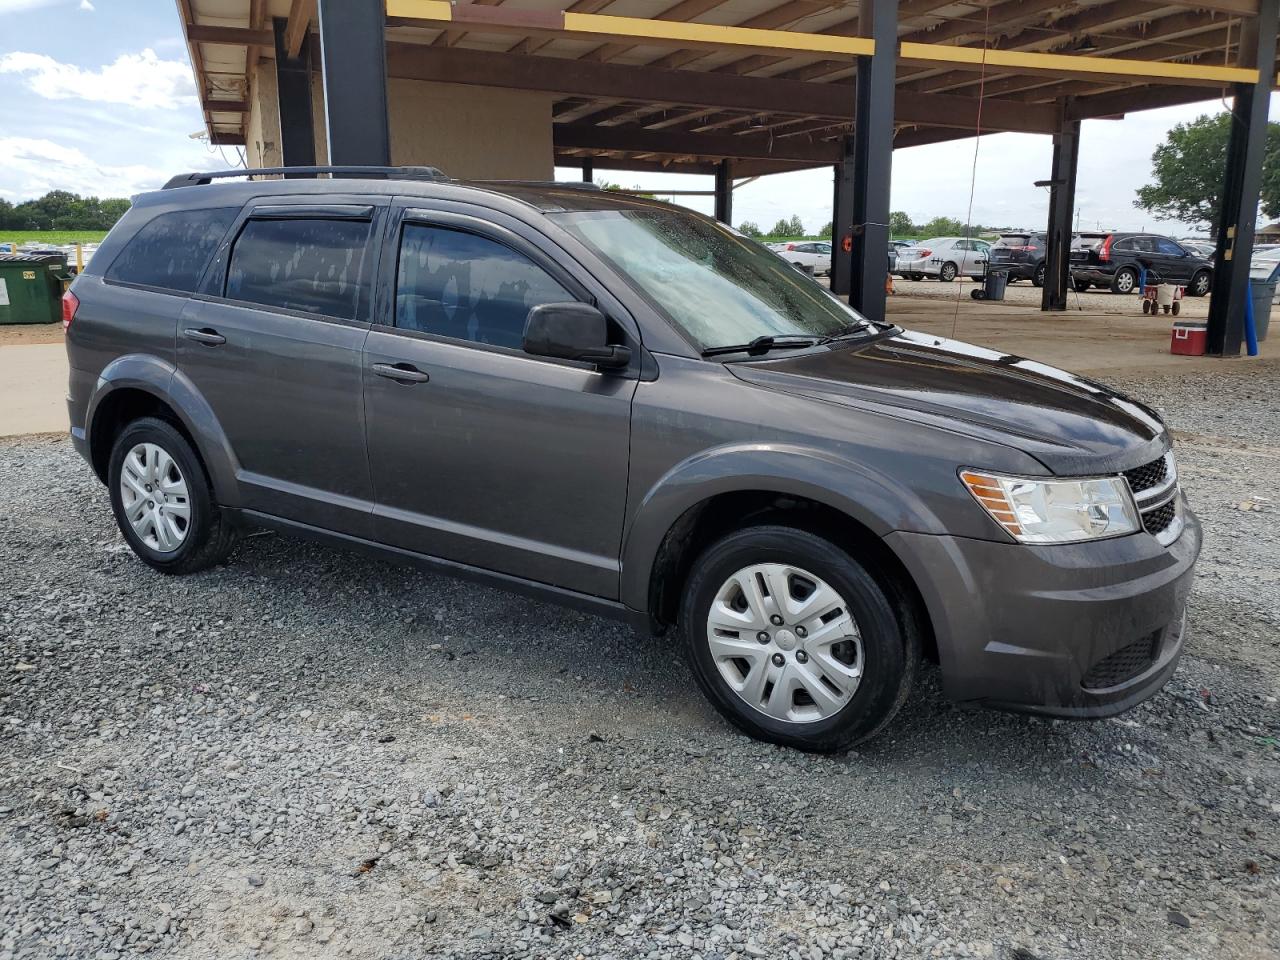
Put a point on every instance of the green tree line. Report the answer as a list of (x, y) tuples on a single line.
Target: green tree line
[(900, 225), (62, 210)]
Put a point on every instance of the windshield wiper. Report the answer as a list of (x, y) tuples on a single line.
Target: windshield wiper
[(846, 333), (762, 345)]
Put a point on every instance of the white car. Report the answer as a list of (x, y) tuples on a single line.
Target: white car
[(807, 253), (945, 258)]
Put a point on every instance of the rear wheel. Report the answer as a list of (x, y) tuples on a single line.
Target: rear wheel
[(1200, 284), (948, 272), (162, 499), (1125, 280), (793, 641)]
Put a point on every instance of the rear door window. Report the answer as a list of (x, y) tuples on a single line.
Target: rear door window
[(172, 251), (310, 264)]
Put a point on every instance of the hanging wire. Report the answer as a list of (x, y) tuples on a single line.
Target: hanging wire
[(977, 143)]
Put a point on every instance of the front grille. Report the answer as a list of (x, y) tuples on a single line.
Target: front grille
[(1148, 475), (1125, 664), (1157, 521)]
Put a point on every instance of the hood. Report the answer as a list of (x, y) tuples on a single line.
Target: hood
[(1072, 425)]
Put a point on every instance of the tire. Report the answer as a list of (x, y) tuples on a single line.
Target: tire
[(887, 658), (916, 276), (948, 272), (175, 545), (1200, 284), (1146, 307), (1125, 280), (1037, 278), (1177, 308)]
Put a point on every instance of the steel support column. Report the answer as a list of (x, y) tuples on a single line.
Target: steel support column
[(842, 220), (724, 191), (353, 59), (1238, 205), (588, 171), (1062, 205), (873, 157), (293, 91)]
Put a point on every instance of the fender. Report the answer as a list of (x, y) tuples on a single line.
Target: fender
[(871, 498), (166, 383)]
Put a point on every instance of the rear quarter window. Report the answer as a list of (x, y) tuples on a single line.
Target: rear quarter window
[(172, 250)]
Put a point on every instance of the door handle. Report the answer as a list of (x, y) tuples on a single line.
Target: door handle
[(211, 338), (401, 372)]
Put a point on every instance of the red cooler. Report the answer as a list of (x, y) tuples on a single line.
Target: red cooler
[(1188, 338)]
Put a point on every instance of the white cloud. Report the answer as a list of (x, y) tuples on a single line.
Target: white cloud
[(18, 6), (37, 166), (86, 5), (136, 79)]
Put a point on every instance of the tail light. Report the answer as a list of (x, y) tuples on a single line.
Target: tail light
[(70, 304), (921, 254), (791, 246), (1104, 252)]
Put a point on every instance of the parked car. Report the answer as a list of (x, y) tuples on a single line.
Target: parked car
[(1201, 248), (1021, 255), (945, 258), (1265, 264), (811, 254), (616, 404), (1118, 260)]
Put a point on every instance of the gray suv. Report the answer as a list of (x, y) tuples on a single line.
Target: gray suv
[(619, 405)]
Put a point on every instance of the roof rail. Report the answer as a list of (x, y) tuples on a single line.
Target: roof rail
[(389, 173), (566, 184)]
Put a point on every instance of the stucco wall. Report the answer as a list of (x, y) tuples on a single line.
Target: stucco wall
[(467, 131)]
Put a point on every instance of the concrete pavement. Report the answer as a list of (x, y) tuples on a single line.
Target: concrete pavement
[(33, 389)]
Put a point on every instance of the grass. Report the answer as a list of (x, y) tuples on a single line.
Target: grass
[(52, 237)]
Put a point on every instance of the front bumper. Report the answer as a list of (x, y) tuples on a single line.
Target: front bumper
[(1039, 629)]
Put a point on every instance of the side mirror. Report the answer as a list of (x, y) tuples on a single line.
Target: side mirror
[(572, 331)]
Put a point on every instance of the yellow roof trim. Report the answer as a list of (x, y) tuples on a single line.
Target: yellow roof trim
[(1076, 65), (642, 28)]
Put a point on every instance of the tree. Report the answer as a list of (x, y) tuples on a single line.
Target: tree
[(900, 224), (824, 231), (749, 228), (796, 226), (943, 227), (1187, 172), (781, 229), (62, 210)]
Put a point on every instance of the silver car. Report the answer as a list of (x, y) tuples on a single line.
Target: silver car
[(945, 258)]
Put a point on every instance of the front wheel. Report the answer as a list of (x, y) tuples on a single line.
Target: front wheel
[(1200, 284), (162, 499), (1037, 278), (793, 641)]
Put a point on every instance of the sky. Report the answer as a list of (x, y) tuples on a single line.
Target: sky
[(104, 104)]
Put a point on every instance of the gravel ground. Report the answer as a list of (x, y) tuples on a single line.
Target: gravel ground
[(310, 754)]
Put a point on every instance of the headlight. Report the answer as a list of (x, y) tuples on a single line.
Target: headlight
[(1056, 511)]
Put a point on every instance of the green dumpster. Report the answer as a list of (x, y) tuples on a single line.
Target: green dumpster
[(31, 287)]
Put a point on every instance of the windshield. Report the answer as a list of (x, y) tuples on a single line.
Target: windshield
[(715, 285)]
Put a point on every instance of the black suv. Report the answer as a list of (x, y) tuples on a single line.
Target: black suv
[(1120, 261), (616, 404), (1021, 254)]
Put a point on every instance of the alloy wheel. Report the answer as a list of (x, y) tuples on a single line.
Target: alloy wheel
[(785, 642), (155, 497)]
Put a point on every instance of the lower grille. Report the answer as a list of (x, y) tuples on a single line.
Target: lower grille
[(1157, 521), (1125, 664)]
